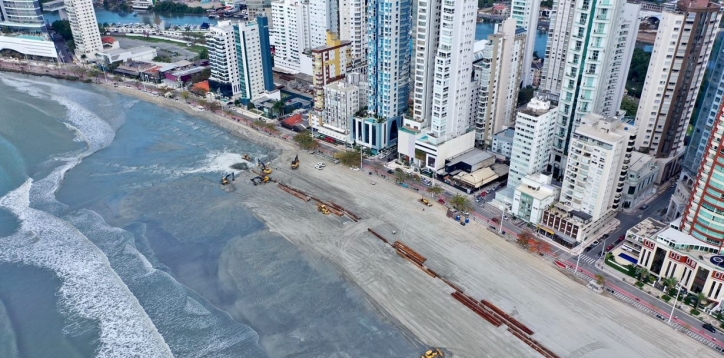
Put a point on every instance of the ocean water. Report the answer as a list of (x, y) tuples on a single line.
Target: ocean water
[(115, 241)]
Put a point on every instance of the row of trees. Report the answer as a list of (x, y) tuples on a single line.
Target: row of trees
[(175, 8)]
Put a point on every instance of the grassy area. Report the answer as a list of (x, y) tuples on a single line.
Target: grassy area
[(194, 48), (625, 270)]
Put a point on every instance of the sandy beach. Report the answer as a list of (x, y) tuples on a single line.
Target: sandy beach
[(566, 317)]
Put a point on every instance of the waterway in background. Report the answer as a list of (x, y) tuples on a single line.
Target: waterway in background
[(116, 241)]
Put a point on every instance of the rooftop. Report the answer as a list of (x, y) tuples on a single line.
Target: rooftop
[(639, 161), (647, 228), (671, 236), (471, 157), (545, 191), (536, 107), (506, 134)]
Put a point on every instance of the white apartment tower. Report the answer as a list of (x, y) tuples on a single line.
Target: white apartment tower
[(679, 59), (597, 165), (601, 40), (557, 46), (341, 102), (83, 25), (425, 34), (500, 68), (353, 26), (223, 57), (290, 33), (525, 13), (322, 18), (534, 126)]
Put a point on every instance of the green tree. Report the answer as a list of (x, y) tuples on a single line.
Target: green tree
[(185, 95), (642, 273), (461, 203), (278, 108), (306, 141), (401, 176), (250, 106), (637, 72), (630, 105), (670, 283), (600, 280), (201, 76), (62, 27), (435, 190), (700, 297), (525, 95), (349, 158), (203, 54)]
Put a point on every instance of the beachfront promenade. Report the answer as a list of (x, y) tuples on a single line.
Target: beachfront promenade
[(531, 287)]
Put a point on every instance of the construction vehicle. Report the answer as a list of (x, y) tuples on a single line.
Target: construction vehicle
[(323, 209), (295, 162), (265, 168), (260, 180), (433, 353), (246, 157), (425, 201), (225, 179)]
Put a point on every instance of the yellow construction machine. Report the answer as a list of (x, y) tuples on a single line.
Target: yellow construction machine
[(425, 201), (225, 179), (265, 168), (323, 209), (433, 353), (295, 162), (260, 180)]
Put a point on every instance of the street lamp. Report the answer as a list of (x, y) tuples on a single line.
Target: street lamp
[(678, 291), (502, 217)]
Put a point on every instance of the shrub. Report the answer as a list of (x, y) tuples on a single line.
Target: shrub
[(639, 284), (695, 312), (666, 298)]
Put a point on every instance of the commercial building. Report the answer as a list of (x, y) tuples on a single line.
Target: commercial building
[(640, 180), (323, 17), (388, 71), (525, 14), (290, 35), (534, 126), (503, 142), (23, 29), (240, 58), (139, 53), (330, 64), (598, 40), (353, 26), (597, 166), (84, 26), (681, 52), (500, 69), (533, 197)]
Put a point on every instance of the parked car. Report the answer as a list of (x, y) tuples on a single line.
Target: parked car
[(620, 239), (491, 227), (644, 207), (595, 243), (605, 236), (441, 201), (495, 220), (609, 247), (390, 171), (588, 249), (321, 164), (661, 317), (709, 327)]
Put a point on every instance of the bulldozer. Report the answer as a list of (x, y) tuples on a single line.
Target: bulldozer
[(246, 157), (425, 201), (433, 353), (265, 168), (323, 209), (295, 162)]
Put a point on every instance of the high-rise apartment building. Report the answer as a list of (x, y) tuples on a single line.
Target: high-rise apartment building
[(534, 126), (291, 35), (353, 26), (501, 70), (597, 165), (83, 25), (525, 13), (388, 73), (22, 29), (679, 59), (323, 17), (601, 40), (330, 64), (557, 46), (240, 57), (425, 29), (341, 103)]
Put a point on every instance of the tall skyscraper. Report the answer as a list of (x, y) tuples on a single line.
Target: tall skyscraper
[(388, 60), (525, 13), (290, 33), (681, 52), (22, 29), (557, 46), (599, 47), (323, 17), (240, 57), (330, 64), (83, 25), (353, 26), (501, 69)]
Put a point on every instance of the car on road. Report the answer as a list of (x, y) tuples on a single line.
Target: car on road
[(709, 327), (644, 207), (318, 167), (390, 171), (595, 243), (441, 201), (620, 239), (605, 236), (609, 247), (661, 317), (588, 249), (495, 220), (491, 227)]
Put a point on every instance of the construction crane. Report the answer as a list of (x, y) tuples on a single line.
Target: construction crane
[(295, 162), (265, 168)]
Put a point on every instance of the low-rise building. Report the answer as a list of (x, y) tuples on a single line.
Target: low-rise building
[(503, 142), (139, 53), (533, 196), (640, 180), (636, 235), (570, 227)]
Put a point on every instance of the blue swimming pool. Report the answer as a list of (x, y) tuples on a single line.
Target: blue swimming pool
[(628, 258)]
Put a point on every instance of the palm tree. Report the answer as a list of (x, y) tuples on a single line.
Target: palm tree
[(401, 176), (699, 298), (600, 280), (642, 273), (435, 190), (278, 108), (669, 283), (185, 95)]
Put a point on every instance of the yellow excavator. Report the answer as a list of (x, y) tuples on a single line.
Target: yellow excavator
[(295, 162), (425, 201), (225, 179), (260, 180), (433, 353), (246, 157), (265, 168), (323, 209)]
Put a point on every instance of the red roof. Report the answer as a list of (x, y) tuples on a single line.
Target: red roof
[(499, 7), (203, 85), (108, 39), (294, 120)]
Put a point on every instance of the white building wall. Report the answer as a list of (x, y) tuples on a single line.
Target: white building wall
[(290, 34), (425, 27), (341, 102), (222, 56), (525, 13), (353, 26), (532, 143), (557, 46), (84, 27), (250, 65), (322, 17)]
